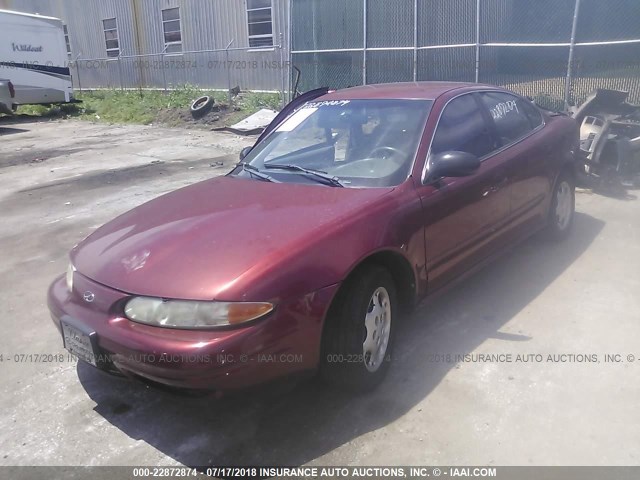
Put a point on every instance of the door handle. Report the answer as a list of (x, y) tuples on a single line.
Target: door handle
[(496, 186)]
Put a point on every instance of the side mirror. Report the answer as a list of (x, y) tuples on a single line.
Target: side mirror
[(453, 164), (244, 152)]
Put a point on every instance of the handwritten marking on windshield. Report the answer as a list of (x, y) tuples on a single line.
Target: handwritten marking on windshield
[(327, 103)]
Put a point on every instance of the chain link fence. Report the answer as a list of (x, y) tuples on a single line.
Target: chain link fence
[(222, 69), (557, 51)]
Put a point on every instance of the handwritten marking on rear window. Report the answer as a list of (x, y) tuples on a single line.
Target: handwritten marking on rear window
[(504, 108), (327, 103)]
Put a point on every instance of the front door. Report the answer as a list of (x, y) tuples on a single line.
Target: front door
[(462, 215)]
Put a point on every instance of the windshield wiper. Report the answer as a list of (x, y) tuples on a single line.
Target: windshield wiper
[(251, 170), (326, 178)]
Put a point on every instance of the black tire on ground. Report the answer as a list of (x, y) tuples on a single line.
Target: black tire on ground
[(559, 226), (343, 360), (201, 106)]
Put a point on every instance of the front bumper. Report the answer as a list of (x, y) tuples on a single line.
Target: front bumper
[(286, 341)]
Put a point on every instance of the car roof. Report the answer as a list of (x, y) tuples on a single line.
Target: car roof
[(402, 90)]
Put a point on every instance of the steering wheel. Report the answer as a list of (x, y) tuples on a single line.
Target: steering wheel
[(394, 152)]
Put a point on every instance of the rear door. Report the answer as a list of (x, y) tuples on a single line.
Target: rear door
[(462, 214)]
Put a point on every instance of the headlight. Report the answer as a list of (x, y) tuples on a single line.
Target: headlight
[(189, 314), (70, 270)]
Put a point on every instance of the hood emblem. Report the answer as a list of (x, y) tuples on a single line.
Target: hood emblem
[(89, 296)]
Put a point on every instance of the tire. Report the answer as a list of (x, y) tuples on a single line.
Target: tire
[(562, 210), (360, 320), (201, 106)]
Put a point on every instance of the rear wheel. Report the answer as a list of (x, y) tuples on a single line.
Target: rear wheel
[(358, 334), (562, 208)]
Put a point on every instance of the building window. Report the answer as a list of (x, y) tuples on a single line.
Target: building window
[(111, 37), (171, 29), (260, 23), (66, 40)]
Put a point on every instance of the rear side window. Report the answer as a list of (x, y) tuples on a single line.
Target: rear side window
[(462, 127), (509, 115)]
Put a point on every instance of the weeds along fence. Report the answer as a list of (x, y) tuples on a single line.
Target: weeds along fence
[(221, 69), (555, 50)]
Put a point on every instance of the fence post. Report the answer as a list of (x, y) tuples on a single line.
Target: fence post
[(415, 40), (364, 42), (78, 73), (228, 68), (164, 73), (574, 28), (478, 3), (120, 73), (283, 70), (289, 71)]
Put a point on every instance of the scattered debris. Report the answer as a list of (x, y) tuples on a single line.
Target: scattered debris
[(253, 124), (220, 114), (610, 137), (201, 106)]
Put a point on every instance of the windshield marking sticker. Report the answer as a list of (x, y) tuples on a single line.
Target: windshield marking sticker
[(503, 108), (327, 103), (296, 119)]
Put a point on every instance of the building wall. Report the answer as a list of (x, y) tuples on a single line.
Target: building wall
[(205, 25)]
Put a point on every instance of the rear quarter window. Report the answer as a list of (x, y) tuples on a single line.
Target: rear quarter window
[(535, 117)]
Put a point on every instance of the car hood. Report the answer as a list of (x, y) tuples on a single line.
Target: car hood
[(195, 242)]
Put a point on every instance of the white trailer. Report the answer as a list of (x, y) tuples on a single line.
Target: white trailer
[(33, 56)]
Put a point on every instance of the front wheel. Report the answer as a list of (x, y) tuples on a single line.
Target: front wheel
[(562, 210), (359, 330)]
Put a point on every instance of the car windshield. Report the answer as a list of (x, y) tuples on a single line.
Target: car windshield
[(360, 143)]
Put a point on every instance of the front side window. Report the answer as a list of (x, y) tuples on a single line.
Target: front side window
[(462, 127), (363, 143), (259, 17), (509, 115), (171, 30), (112, 43)]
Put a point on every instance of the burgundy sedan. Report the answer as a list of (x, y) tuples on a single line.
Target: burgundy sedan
[(353, 206)]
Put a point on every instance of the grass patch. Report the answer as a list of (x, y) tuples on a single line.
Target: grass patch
[(148, 106)]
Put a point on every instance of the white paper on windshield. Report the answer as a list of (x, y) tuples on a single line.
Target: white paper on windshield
[(296, 119)]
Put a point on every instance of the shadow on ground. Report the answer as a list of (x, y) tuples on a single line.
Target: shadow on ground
[(75, 188), (10, 130), (610, 185), (301, 424), (49, 115)]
